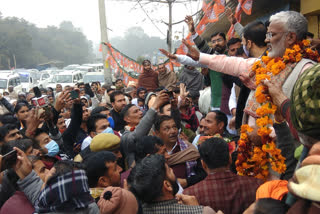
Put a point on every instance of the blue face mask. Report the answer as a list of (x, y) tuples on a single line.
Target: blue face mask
[(245, 49), (53, 148), (108, 130)]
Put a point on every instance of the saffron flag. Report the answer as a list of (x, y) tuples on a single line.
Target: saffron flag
[(247, 6)]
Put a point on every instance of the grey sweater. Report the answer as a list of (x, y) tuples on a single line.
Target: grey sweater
[(128, 138)]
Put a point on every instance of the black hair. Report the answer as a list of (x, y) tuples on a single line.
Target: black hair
[(117, 80), (221, 117), (147, 145), (80, 83), (256, 32), (39, 131), (23, 144), (160, 120), (128, 95), (98, 109), (148, 178), (140, 100), (270, 206), (240, 51), (159, 89), (92, 120), (19, 105), (309, 34), (114, 94), (220, 34), (124, 111), (161, 107), (110, 89), (4, 130), (96, 166), (8, 118), (214, 152), (141, 89), (233, 41)]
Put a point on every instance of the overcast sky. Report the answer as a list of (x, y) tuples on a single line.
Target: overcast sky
[(84, 14)]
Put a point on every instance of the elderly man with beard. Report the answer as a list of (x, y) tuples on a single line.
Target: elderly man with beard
[(149, 78), (183, 157), (167, 79), (155, 185), (285, 30)]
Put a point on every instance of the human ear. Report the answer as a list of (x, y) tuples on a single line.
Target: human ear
[(103, 181), (291, 38), (167, 186)]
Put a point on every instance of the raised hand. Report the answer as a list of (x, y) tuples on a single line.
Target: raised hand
[(23, 166), (232, 19), (183, 91), (62, 99), (193, 53), (167, 54), (161, 99), (190, 23), (34, 119)]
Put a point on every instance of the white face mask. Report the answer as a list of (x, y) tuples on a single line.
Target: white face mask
[(53, 148), (108, 130)]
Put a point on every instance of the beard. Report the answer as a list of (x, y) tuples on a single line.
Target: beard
[(219, 49), (175, 187), (278, 49)]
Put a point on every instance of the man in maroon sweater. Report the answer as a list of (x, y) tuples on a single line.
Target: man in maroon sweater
[(222, 189)]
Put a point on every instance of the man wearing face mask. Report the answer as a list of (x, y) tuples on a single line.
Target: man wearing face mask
[(96, 124), (49, 147)]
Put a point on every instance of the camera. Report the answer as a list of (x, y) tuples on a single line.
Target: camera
[(42, 101)]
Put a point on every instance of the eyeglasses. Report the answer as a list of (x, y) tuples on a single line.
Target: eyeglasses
[(269, 35), (218, 40)]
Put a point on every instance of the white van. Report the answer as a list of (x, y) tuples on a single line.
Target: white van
[(66, 78), (98, 67), (28, 79), (85, 69), (10, 78), (94, 77)]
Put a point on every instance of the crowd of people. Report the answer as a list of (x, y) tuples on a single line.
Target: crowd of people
[(172, 143)]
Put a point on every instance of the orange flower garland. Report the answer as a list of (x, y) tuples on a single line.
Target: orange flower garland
[(255, 160)]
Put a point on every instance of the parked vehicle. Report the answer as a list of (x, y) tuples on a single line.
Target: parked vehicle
[(66, 78), (44, 80), (28, 79), (98, 67), (93, 77), (85, 69), (71, 67), (10, 78)]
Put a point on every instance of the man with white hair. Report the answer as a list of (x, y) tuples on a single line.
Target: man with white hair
[(286, 29)]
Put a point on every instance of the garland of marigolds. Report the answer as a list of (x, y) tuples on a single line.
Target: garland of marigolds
[(255, 160)]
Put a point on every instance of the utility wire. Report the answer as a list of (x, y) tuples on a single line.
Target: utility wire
[(151, 19)]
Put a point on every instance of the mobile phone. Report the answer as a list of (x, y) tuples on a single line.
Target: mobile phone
[(74, 94), (170, 94), (8, 160)]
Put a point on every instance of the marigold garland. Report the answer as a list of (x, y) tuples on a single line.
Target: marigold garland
[(255, 160)]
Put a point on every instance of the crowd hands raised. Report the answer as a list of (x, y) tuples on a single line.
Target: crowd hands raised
[(169, 143)]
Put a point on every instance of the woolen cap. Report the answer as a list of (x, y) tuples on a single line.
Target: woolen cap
[(115, 200), (305, 103), (306, 183)]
